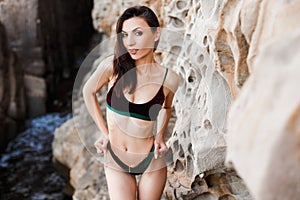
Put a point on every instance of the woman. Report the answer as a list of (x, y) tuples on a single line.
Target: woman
[(140, 93)]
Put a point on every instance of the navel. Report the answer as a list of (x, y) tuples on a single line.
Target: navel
[(125, 149)]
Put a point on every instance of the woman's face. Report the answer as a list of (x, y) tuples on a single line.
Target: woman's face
[(138, 37)]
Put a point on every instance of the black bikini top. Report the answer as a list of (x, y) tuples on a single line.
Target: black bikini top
[(145, 111)]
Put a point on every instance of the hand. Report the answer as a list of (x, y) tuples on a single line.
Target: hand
[(101, 145), (160, 147)]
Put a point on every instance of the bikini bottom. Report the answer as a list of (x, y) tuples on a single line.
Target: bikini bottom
[(139, 168)]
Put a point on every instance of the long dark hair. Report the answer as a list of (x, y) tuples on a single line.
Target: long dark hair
[(123, 63)]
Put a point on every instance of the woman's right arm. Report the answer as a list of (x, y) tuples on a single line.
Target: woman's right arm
[(98, 79)]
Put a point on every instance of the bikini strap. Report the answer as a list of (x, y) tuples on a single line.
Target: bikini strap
[(165, 76)]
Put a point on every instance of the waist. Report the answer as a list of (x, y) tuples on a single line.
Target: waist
[(130, 145)]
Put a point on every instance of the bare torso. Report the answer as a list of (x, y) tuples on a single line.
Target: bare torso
[(131, 134), (132, 138)]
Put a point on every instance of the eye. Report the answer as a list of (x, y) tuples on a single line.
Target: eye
[(138, 33), (124, 35)]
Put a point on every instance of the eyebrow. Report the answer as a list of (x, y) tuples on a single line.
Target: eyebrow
[(133, 29)]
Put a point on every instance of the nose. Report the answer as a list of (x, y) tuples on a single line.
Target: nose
[(130, 40)]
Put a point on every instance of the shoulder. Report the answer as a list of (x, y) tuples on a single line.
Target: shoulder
[(103, 71), (105, 66), (172, 80), (106, 63)]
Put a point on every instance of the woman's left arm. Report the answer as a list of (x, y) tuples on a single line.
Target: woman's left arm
[(172, 83)]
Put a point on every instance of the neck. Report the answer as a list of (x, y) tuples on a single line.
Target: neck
[(148, 59)]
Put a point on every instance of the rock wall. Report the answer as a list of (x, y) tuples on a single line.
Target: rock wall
[(47, 36), (220, 50), (263, 124), (65, 29), (40, 41), (20, 21), (198, 141), (12, 91)]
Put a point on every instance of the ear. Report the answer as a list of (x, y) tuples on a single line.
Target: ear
[(157, 34)]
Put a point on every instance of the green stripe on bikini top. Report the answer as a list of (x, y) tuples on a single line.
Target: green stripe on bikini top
[(129, 114)]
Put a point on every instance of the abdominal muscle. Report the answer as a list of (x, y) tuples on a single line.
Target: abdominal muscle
[(131, 139)]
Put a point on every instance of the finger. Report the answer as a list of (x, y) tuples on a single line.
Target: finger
[(163, 148), (162, 151), (156, 151), (161, 154), (97, 146), (99, 151), (104, 147)]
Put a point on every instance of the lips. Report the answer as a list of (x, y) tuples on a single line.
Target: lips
[(133, 51)]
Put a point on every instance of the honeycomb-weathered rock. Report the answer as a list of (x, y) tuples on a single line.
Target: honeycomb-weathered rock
[(105, 13), (198, 141)]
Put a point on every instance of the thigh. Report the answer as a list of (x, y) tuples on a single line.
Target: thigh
[(152, 184), (121, 185)]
